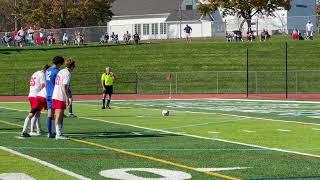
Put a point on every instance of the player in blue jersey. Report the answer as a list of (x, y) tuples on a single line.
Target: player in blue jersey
[(51, 74)]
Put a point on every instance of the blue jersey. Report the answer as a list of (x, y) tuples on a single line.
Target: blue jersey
[(51, 75)]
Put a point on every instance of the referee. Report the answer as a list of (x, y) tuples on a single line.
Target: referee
[(107, 79)]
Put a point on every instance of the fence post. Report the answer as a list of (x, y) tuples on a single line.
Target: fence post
[(217, 82), (296, 82), (14, 85), (97, 83), (137, 79), (247, 72), (176, 82), (286, 70), (256, 82)]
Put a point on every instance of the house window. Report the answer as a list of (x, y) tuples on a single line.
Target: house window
[(146, 29), (163, 28), (189, 7), (137, 28), (155, 29)]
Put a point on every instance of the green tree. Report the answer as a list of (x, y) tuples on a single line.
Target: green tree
[(208, 7), (6, 15), (64, 13), (247, 9)]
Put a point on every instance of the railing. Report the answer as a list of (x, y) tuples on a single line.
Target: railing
[(205, 82)]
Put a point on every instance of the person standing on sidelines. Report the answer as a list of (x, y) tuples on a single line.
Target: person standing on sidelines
[(51, 74), (69, 93), (107, 80), (37, 83), (309, 30), (188, 31), (60, 97)]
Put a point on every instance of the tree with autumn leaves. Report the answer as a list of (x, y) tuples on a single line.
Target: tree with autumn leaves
[(244, 9), (59, 13)]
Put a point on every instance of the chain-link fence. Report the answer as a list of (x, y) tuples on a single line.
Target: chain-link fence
[(218, 82)]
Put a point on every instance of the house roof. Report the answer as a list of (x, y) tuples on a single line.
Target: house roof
[(148, 7)]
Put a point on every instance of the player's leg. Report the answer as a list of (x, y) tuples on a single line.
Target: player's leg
[(109, 91), (70, 108), (24, 132), (34, 120), (38, 123), (104, 99), (49, 118), (58, 121)]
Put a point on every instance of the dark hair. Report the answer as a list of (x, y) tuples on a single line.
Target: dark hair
[(58, 60), (70, 63), (45, 67)]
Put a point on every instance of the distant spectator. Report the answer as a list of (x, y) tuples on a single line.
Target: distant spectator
[(250, 36), (6, 40), (29, 37), (65, 39), (295, 34), (20, 38), (79, 39), (188, 31), (229, 37), (238, 36), (116, 38), (50, 39), (104, 38), (265, 35), (136, 38), (113, 37), (301, 38), (127, 37), (309, 30), (30, 32)]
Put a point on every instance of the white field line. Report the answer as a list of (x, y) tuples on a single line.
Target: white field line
[(44, 163), (212, 132), (202, 124), (316, 129), (190, 135), (284, 130), (248, 131), (155, 149), (223, 114)]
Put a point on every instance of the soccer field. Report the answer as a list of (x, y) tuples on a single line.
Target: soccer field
[(201, 139)]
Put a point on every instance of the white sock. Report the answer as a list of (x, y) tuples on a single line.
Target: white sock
[(38, 124), (33, 120), (25, 125), (58, 130)]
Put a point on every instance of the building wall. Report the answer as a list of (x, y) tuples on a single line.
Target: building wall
[(301, 11)]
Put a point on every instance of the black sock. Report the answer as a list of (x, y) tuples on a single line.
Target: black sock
[(103, 102), (108, 102)]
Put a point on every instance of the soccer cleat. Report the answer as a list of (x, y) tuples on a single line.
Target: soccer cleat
[(103, 107), (71, 115), (53, 135), (34, 134), (61, 137), (25, 134)]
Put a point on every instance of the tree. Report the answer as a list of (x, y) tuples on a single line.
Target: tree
[(63, 13), (250, 8), (6, 15), (208, 7)]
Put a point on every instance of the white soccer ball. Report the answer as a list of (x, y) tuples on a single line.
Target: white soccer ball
[(165, 112)]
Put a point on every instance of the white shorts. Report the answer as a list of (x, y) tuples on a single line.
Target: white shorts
[(188, 35)]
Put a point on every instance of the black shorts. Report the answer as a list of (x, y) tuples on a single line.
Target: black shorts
[(109, 90)]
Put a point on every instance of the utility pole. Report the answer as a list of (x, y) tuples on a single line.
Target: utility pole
[(64, 14), (180, 19)]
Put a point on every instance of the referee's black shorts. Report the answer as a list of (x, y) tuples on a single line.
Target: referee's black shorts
[(108, 90)]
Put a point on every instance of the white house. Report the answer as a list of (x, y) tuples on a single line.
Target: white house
[(162, 19), (283, 21)]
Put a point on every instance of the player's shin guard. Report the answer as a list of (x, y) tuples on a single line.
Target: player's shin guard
[(33, 121), (38, 124), (61, 122), (108, 102), (58, 130), (25, 125), (103, 102), (70, 109), (49, 127)]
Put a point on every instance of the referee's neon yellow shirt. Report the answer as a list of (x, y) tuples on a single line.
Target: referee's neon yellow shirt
[(108, 81)]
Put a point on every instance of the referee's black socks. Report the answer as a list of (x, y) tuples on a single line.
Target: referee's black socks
[(108, 102), (103, 102)]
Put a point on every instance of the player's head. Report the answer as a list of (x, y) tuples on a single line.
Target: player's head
[(58, 61), (71, 64), (108, 69), (45, 67)]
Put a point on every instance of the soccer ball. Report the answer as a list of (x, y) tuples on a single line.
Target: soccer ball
[(165, 112)]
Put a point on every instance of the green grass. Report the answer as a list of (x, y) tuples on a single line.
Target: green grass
[(138, 127), (144, 68)]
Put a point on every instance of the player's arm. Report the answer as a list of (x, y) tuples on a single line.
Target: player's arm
[(113, 76), (65, 83)]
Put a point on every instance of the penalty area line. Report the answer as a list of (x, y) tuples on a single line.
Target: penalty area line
[(67, 172)]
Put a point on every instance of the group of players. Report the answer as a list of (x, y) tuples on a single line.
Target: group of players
[(50, 90)]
